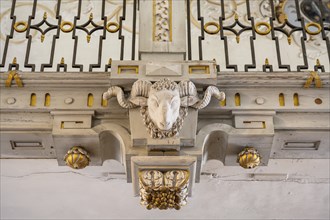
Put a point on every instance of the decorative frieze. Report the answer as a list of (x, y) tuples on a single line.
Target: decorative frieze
[(162, 20)]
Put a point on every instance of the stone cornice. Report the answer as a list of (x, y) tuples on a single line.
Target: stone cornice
[(60, 79), (224, 79), (273, 79)]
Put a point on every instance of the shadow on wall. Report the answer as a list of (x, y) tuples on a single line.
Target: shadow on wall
[(215, 146), (110, 147)]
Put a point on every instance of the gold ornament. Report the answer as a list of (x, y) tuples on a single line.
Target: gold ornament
[(262, 32), (163, 198), (163, 190), (21, 26), (112, 27), (211, 23), (66, 26), (315, 25), (249, 158), (77, 158), (13, 74)]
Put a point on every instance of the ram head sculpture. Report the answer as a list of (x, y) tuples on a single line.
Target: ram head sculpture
[(164, 104)]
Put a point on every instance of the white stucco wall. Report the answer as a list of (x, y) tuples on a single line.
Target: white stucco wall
[(40, 189)]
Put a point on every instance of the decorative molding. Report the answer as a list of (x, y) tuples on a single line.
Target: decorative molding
[(61, 79), (270, 80), (162, 20), (223, 79)]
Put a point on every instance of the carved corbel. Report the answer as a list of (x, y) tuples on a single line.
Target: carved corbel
[(164, 104)]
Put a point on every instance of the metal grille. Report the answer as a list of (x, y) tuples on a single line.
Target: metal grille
[(300, 21), (212, 27), (101, 29)]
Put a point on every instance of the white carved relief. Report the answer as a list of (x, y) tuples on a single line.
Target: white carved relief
[(164, 104), (162, 19), (155, 132)]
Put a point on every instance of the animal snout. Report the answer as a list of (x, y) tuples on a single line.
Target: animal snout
[(165, 123)]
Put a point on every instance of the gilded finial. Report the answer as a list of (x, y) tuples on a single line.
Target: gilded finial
[(91, 16), (236, 17), (318, 62), (237, 39), (88, 38), (266, 61), (45, 15), (62, 61), (289, 40), (282, 18), (42, 38), (110, 61), (14, 60)]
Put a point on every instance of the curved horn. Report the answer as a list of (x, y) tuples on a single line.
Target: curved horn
[(117, 91), (210, 91), (187, 88), (188, 93), (140, 92), (141, 88)]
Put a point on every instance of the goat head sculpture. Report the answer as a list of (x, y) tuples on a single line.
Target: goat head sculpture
[(163, 100)]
